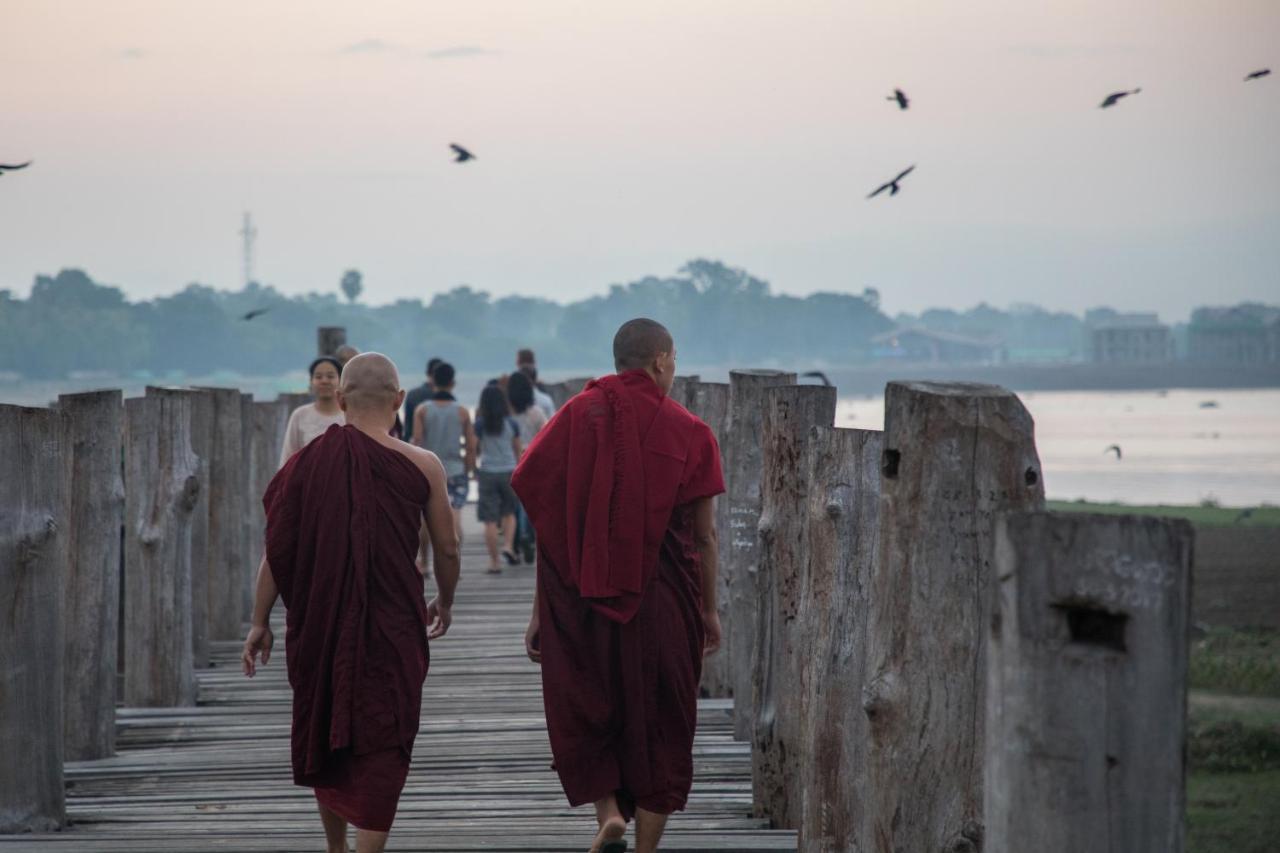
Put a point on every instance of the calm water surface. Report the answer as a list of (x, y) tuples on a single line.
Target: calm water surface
[(1175, 450)]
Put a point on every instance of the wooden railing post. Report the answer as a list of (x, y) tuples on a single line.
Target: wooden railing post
[(789, 413), (739, 550), (94, 440), (710, 402), (842, 510), (34, 479), (269, 421), (227, 490), (201, 402), (955, 455), (1086, 698), (561, 392), (162, 487)]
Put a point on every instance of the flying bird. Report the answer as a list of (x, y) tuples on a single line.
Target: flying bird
[(817, 374), (892, 186), (1112, 99), (899, 96), (13, 167), (256, 312), (1116, 448), (463, 154), (1261, 72)]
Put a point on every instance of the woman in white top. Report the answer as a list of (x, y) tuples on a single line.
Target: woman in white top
[(311, 420), (531, 418)]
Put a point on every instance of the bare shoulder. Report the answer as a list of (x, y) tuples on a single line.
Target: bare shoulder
[(428, 463)]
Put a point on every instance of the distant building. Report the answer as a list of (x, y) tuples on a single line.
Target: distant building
[(1130, 339), (918, 345), (1243, 334)]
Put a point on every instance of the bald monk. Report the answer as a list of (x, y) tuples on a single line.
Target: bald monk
[(342, 533), (620, 487)]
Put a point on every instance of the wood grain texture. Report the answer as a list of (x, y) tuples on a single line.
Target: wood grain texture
[(710, 402), (228, 560), (1087, 680), (841, 509), (94, 439), (34, 478), (562, 391), (790, 411), (955, 455), (161, 492), (739, 550)]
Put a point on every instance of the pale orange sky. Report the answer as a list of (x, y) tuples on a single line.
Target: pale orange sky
[(620, 139)]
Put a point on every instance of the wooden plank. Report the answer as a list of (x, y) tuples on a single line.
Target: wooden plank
[(161, 492), (1086, 698), (790, 411), (94, 439), (34, 477), (739, 549), (228, 563)]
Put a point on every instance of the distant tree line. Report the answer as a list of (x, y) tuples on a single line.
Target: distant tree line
[(718, 314)]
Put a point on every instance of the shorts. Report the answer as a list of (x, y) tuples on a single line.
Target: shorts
[(497, 498), (458, 487)]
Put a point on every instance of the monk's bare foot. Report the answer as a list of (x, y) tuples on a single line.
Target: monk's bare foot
[(494, 570), (610, 837)]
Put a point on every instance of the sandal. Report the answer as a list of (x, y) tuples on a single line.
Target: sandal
[(512, 559)]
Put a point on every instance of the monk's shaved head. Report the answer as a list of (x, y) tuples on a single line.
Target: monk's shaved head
[(640, 341), (370, 382)]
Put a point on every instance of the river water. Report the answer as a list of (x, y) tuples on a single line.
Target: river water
[(1179, 446)]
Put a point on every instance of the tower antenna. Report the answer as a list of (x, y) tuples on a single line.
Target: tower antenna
[(249, 235)]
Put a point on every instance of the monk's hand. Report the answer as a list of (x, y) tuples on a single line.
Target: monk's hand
[(258, 642), (711, 624), (531, 645), (439, 618)]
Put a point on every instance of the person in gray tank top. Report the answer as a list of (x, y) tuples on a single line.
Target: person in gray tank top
[(443, 425), (500, 446)]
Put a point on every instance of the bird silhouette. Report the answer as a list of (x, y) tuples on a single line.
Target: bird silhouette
[(256, 312), (1116, 448), (1255, 75), (817, 374), (1114, 97), (13, 167), (892, 186), (899, 96), (463, 154)]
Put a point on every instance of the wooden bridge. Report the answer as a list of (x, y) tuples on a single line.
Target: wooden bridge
[(216, 776)]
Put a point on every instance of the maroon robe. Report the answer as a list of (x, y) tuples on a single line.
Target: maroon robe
[(609, 484), (342, 534)]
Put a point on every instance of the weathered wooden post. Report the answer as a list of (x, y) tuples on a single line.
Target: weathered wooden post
[(162, 487), (227, 490), (34, 479), (683, 389), (738, 551), (202, 406), (329, 339), (789, 413), (269, 420), (93, 438), (248, 517), (842, 509), (1087, 681), (561, 391), (710, 402), (955, 455)]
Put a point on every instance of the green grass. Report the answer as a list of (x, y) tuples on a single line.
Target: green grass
[(1209, 516), (1244, 662), (1233, 812)]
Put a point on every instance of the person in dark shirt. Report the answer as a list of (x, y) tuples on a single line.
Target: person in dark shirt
[(416, 396)]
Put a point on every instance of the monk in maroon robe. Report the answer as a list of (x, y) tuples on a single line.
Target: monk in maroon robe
[(620, 488), (342, 533)]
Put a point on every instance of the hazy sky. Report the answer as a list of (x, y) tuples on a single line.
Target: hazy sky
[(619, 139)]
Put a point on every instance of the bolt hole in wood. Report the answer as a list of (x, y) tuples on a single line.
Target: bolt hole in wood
[(1092, 626), (889, 464), (1031, 477)]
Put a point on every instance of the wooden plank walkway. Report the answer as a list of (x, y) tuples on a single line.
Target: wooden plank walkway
[(216, 777)]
